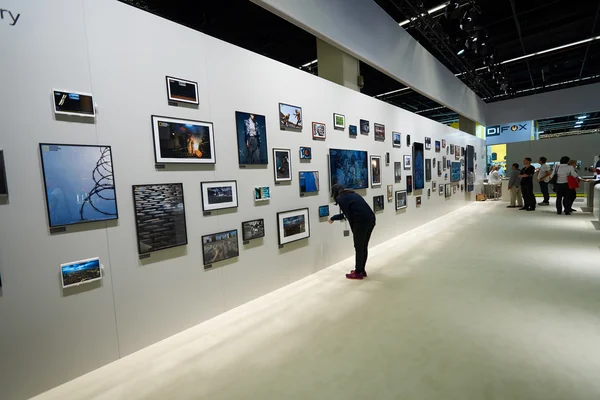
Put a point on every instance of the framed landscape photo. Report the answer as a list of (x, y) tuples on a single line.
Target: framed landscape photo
[(290, 117), (349, 168), (364, 127), (253, 229), (379, 132), (339, 121), (78, 104), (220, 246), (159, 216), (323, 211), (293, 225), (401, 201), (352, 130), (407, 162), (218, 195), (183, 141), (182, 91), (396, 139), (375, 171), (309, 181), (262, 193), (397, 172), (305, 153), (282, 165), (80, 272), (427, 143), (318, 131), (251, 138), (378, 203)]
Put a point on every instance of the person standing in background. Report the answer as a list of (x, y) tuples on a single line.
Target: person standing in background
[(563, 195), (573, 192), (543, 177), (514, 188), (527, 185)]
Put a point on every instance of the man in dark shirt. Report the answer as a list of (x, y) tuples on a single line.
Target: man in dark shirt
[(527, 185), (362, 222)]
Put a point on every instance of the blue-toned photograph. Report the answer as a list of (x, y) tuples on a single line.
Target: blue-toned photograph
[(364, 127), (305, 153), (290, 117), (418, 166), (349, 168), (353, 130), (323, 211), (309, 181), (80, 272), (79, 183), (252, 138), (455, 172)]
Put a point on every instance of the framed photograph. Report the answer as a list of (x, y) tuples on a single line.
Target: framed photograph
[(433, 186), (379, 132), (428, 193), (353, 130), (339, 121), (71, 103), (375, 171), (418, 166), (378, 203), (293, 225), (364, 127), (437, 146), (318, 131), (387, 158), (448, 163), (401, 197), (251, 138), (418, 201), (443, 143), (390, 193), (427, 143), (409, 184), (441, 187), (282, 165), (457, 154), (397, 172), (305, 153), (182, 91), (80, 272), (183, 141), (253, 229), (407, 140), (427, 169), (455, 172), (262, 193), (462, 151), (220, 246), (218, 195), (444, 163), (396, 139), (3, 180), (309, 181), (349, 168), (407, 162), (470, 170), (448, 190), (159, 216), (323, 211), (439, 168), (451, 149), (79, 183), (290, 117)]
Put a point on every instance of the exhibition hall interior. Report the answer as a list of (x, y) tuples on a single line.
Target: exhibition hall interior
[(275, 199)]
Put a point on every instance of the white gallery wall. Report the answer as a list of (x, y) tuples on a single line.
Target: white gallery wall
[(122, 55)]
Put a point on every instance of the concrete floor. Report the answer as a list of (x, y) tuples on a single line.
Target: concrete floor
[(486, 303)]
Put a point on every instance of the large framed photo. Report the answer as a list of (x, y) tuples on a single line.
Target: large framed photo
[(401, 201), (375, 171), (282, 165), (309, 181), (80, 272), (349, 168), (220, 246), (470, 171), (397, 172), (159, 216), (339, 121), (407, 162), (182, 91), (293, 225), (418, 166), (183, 141), (379, 132), (79, 183), (253, 229), (251, 138), (319, 131), (290, 117), (3, 181), (396, 139), (218, 195)]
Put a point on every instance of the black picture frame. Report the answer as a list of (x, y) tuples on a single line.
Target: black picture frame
[(280, 220), (246, 227), (159, 158), (205, 187), (229, 256), (181, 99), (3, 178)]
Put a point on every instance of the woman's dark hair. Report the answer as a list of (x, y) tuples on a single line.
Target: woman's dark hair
[(543, 159), (516, 165), (565, 159)]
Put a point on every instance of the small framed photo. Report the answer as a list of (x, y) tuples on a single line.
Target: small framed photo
[(451, 149), (282, 165), (396, 139), (253, 229), (339, 121), (290, 117), (409, 184), (441, 189), (408, 140), (433, 186), (218, 195), (375, 171), (427, 143), (309, 181), (418, 201), (220, 246), (353, 130), (364, 127), (378, 203), (387, 158), (407, 162), (323, 211), (78, 104), (318, 131), (305, 153), (443, 143), (390, 193), (182, 91), (80, 272), (437, 146), (262, 193), (401, 197), (448, 190), (293, 225), (379, 132), (397, 172)]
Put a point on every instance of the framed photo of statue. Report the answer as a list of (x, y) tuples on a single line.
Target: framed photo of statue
[(251, 138)]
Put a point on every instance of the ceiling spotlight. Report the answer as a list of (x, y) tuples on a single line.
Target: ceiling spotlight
[(582, 117), (470, 44), (460, 52), (452, 10), (467, 22)]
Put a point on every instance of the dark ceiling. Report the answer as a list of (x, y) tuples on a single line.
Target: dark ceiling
[(532, 26)]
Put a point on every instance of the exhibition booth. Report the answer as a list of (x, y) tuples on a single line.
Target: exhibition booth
[(153, 177)]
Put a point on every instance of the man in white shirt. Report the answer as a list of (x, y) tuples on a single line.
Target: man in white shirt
[(543, 177)]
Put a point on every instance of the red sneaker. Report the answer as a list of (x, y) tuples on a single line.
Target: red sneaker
[(364, 274), (354, 275)]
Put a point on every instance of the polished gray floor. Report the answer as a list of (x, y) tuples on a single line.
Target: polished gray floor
[(487, 303)]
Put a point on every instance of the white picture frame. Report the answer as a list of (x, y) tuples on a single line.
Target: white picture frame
[(56, 102), (262, 193), (339, 121), (376, 171), (80, 272), (179, 98), (219, 195)]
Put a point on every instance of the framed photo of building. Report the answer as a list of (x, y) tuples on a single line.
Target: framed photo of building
[(182, 91), (290, 117), (218, 195), (396, 139), (80, 272), (379, 132), (378, 203), (220, 246), (401, 201), (253, 229), (318, 131), (183, 141), (262, 193), (282, 165), (339, 121), (251, 138), (375, 171), (293, 225)]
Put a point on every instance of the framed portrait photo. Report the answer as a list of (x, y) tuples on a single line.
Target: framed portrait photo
[(183, 141), (218, 195), (318, 131), (396, 139), (375, 171), (290, 117), (407, 162), (401, 201), (293, 225), (379, 132), (182, 91), (409, 184), (282, 165), (251, 138), (339, 121), (378, 203)]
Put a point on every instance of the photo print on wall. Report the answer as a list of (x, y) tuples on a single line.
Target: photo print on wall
[(318, 131), (427, 169), (451, 149), (407, 140), (254, 229), (390, 193), (437, 146), (418, 201), (339, 121), (418, 166), (3, 180), (80, 272), (409, 184), (309, 181), (290, 117), (323, 211), (293, 225), (352, 130), (219, 195), (183, 141), (427, 143), (470, 170), (378, 203), (401, 197), (375, 171), (407, 162), (396, 139), (443, 143), (305, 153), (433, 186), (79, 183), (397, 172), (349, 168), (364, 127), (159, 216), (71, 103), (439, 168), (282, 165), (455, 172), (379, 132), (220, 246), (448, 190), (262, 193), (182, 91), (252, 138)]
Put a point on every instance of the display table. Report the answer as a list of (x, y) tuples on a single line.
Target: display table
[(490, 193)]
